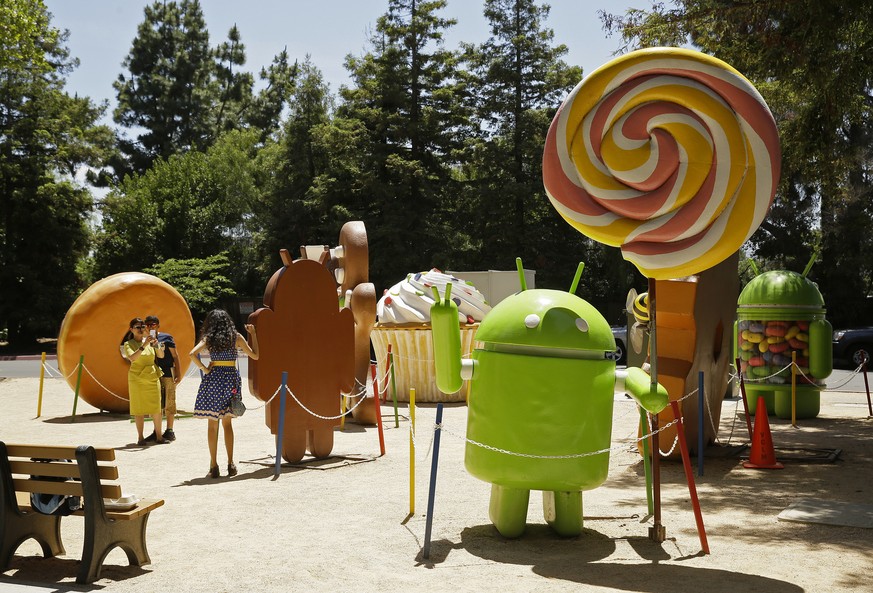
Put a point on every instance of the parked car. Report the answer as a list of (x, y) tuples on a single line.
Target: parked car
[(853, 345), (619, 332)]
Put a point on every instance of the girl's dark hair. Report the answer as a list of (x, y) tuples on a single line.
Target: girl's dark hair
[(129, 334), (218, 331)]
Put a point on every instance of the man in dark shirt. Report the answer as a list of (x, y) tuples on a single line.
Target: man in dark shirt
[(172, 374)]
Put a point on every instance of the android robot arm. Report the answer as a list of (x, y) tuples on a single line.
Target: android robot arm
[(451, 370), (637, 383)]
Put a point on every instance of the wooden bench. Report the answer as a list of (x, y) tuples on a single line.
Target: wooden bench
[(91, 475)]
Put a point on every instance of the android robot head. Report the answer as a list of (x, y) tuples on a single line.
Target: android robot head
[(543, 386)]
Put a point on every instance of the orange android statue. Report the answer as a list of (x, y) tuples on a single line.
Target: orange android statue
[(302, 332)]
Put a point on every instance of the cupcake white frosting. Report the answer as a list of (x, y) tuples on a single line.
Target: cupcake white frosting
[(409, 301)]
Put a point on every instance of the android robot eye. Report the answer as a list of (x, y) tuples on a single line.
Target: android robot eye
[(531, 321), (581, 325)]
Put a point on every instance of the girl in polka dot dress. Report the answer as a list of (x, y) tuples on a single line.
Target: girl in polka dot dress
[(221, 380)]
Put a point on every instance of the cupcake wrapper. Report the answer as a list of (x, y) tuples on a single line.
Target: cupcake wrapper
[(412, 350)]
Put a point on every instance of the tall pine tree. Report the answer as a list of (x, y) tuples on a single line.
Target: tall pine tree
[(179, 94), (518, 80), (289, 213), (406, 95), (170, 89)]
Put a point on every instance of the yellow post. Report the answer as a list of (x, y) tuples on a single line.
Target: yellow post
[(794, 388), (41, 377), (412, 451), (342, 411)]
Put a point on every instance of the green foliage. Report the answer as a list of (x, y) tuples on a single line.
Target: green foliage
[(289, 213), (24, 35), (45, 137), (811, 61), (192, 205), (437, 150), (202, 282)]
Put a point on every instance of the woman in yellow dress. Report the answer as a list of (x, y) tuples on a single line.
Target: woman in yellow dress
[(143, 380)]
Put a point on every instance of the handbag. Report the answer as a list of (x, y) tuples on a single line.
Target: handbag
[(54, 504), (237, 407)]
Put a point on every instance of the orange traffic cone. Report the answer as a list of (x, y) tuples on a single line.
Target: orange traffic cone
[(763, 456)]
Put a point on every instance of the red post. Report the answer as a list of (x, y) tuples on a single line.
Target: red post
[(378, 409), (689, 477)]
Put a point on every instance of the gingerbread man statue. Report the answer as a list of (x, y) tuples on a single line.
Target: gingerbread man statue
[(302, 332)]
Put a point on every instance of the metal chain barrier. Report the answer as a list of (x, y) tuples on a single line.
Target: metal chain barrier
[(264, 404), (311, 413), (109, 391), (412, 435), (770, 376), (675, 421), (50, 371), (532, 456), (857, 371)]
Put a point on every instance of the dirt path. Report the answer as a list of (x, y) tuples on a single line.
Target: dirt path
[(345, 525)]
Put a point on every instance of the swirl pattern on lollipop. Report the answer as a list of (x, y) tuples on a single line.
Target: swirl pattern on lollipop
[(668, 153)]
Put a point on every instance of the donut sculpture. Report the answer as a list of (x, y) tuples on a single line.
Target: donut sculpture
[(98, 320)]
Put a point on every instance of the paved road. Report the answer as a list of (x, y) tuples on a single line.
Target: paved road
[(29, 367)]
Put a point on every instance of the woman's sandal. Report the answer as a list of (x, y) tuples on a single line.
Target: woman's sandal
[(213, 472), (231, 470)]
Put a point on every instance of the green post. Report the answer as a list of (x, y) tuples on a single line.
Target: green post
[(647, 463), (78, 383)]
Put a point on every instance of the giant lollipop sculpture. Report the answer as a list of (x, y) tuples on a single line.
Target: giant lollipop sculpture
[(669, 154)]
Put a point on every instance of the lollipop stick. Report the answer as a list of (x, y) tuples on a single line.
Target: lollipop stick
[(657, 532)]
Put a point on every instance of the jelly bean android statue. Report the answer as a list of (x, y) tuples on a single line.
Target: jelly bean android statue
[(542, 388)]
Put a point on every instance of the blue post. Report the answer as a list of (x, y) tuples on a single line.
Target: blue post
[(433, 475), (700, 403), (281, 430)]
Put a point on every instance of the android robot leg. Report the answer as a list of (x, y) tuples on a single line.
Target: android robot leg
[(508, 509), (293, 445), (319, 441), (563, 512)]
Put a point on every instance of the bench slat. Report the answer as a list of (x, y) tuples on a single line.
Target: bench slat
[(142, 507), (69, 488), (58, 469), (55, 452)]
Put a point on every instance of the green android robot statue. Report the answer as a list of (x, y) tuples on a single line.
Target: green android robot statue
[(781, 313), (540, 400)]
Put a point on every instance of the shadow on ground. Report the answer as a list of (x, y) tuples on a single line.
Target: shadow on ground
[(582, 560)]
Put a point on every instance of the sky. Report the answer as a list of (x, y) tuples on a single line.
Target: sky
[(101, 33)]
